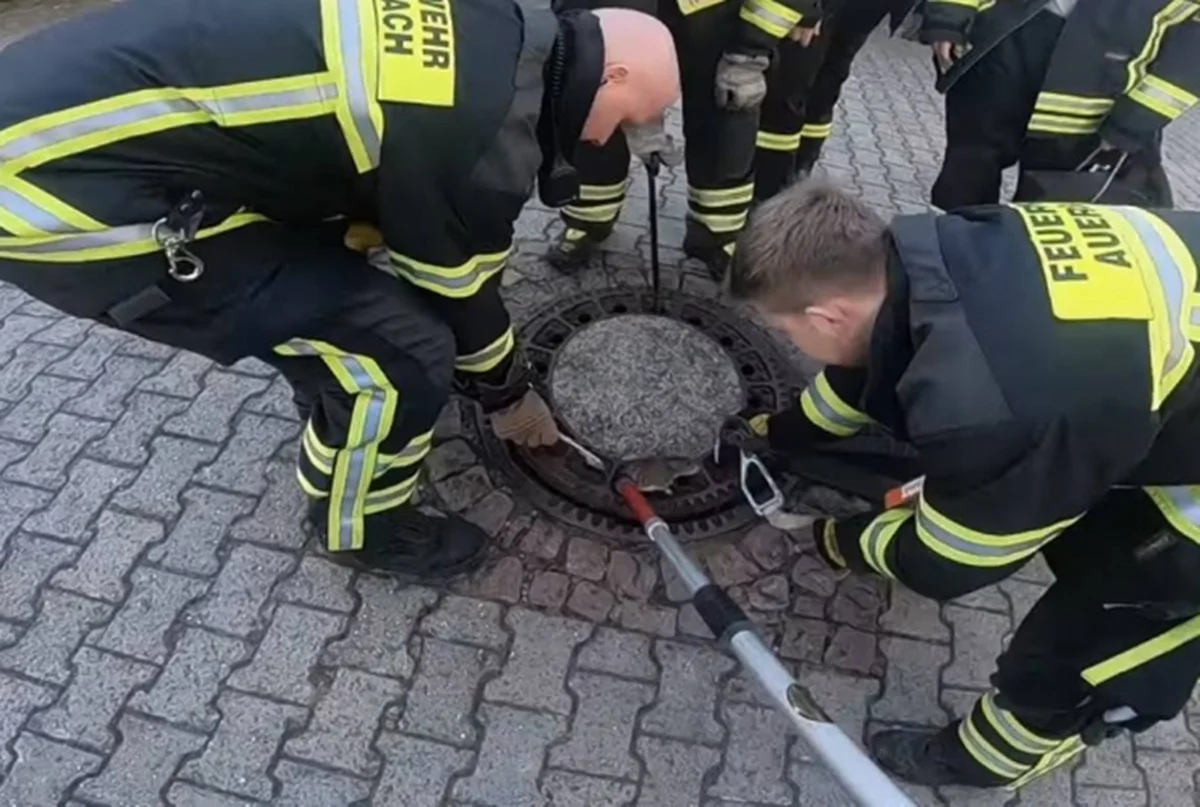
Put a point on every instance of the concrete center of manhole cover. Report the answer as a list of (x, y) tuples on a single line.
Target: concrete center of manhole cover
[(641, 385)]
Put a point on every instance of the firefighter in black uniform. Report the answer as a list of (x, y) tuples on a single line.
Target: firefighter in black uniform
[(186, 172), (803, 87), (1061, 86), (725, 48), (1042, 358)]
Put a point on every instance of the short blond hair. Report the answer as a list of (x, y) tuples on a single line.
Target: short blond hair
[(809, 240)]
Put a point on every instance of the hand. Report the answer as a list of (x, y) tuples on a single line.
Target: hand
[(945, 53), (744, 431), (647, 140), (741, 81), (803, 35), (529, 422)]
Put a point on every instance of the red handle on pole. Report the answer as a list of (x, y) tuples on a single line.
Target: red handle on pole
[(635, 501)]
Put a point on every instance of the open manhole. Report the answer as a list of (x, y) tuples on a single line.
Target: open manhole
[(693, 359)]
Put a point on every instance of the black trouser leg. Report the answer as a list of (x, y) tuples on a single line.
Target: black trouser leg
[(987, 112), (1090, 646), (783, 114)]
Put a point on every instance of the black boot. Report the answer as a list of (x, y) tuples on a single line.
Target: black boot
[(408, 543), (699, 243), (575, 248), (915, 755)]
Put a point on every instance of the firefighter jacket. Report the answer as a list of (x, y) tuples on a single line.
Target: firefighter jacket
[(421, 117), (1036, 356), (761, 23), (1120, 70)]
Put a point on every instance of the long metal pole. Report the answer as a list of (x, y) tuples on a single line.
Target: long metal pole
[(859, 776), (652, 166)]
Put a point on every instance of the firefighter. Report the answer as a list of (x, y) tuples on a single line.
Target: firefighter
[(186, 172), (725, 48), (1042, 360), (1061, 86), (803, 87)]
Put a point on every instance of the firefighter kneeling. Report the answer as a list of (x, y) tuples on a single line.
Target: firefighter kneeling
[(1041, 358)]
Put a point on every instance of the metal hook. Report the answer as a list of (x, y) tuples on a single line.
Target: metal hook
[(770, 505)]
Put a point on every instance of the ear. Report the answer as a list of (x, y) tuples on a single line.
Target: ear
[(617, 73), (829, 318)]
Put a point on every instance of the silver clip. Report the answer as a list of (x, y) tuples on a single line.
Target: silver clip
[(770, 505), (182, 264)]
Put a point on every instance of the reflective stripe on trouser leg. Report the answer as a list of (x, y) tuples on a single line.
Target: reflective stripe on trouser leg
[(352, 470), (596, 208), (721, 211)]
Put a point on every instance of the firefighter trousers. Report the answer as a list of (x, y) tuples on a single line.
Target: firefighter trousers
[(803, 88), (372, 362), (1112, 645), (719, 145)]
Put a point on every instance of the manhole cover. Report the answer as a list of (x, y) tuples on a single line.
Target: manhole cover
[(727, 362)]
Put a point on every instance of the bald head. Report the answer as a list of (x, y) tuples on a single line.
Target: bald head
[(641, 73)]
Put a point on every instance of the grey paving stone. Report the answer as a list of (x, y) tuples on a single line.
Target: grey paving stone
[(549, 589), (101, 685), (235, 602), (87, 361), (30, 563), (46, 465), (183, 794), (1169, 735), (11, 452), (345, 721), (462, 490), (815, 786), (18, 700), (16, 328), (641, 616), (755, 765), (191, 546), (378, 639), (63, 620), (242, 465), (590, 601), (105, 398), (25, 363), (448, 459), (157, 489), (1170, 777), (441, 700), (147, 756), (1110, 764), (675, 771), (139, 628), (1087, 796), (416, 772), (687, 693), (27, 420), (100, 570), (618, 652), (858, 602), (149, 350), (631, 576), (767, 546), (1035, 571), (565, 789), (498, 580), (128, 442), (276, 401), (305, 786), (514, 745), (1023, 596), (89, 486), (988, 598), (65, 332), (535, 673), (491, 512), (602, 727), (17, 505), (190, 679), (587, 559), (239, 754), (277, 518), (845, 698), (1051, 790), (543, 539), (211, 413), (912, 615), (320, 583), (44, 771), (977, 638), (291, 646), (729, 567)]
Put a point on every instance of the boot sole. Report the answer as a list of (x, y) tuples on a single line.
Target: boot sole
[(441, 574)]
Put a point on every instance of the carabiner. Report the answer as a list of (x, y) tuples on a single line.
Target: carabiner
[(770, 505)]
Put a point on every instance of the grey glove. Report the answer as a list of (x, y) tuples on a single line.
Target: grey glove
[(741, 81), (647, 139)]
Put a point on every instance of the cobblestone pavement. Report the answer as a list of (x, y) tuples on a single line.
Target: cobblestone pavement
[(167, 635)]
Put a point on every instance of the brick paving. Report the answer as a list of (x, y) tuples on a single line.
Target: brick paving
[(168, 635)]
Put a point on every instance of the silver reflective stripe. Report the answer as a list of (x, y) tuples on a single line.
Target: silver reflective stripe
[(116, 236), (357, 97), (873, 545), (1009, 550), (826, 409), (1084, 107), (1184, 500), (1163, 97), (487, 355), (159, 108), (1013, 732), (977, 746), (756, 9), (1170, 274), (416, 449), (437, 278), (32, 214)]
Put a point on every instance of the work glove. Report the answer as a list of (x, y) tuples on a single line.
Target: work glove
[(528, 422), (741, 81), (649, 140), (747, 430)]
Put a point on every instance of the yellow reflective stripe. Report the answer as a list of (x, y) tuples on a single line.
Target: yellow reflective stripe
[(1079, 105), (489, 356), (117, 242), (26, 210), (968, 3), (413, 452), (1173, 13), (1066, 751), (596, 213), (878, 535), (308, 487), (1163, 97), (828, 411), (721, 197), (1169, 272), (391, 497), (1061, 124), (729, 248), (721, 222), (457, 282), (771, 141), (961, 544), (773, 18), (1143, 653), (1012, 731), (1180, 505), (348, 38), (100, 123), (986, 754), (371, 418), (321, 456), (816, 131), (603, 193)]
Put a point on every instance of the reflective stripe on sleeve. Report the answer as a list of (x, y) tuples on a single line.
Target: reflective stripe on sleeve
[(973, 4), (458, 282), (489, 356), (961, 544), (1162, 97), (828, 411), (1172, 14), (348, 28), (771, 17), (878, 536)]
